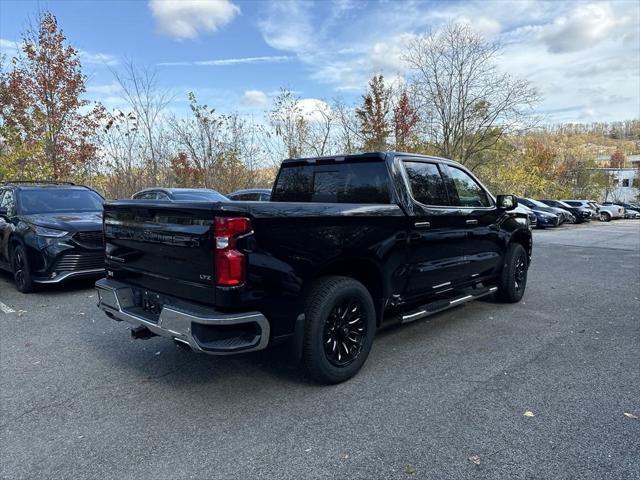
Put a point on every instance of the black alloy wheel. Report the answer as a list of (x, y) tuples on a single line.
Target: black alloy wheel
[(344, 332), (520, 275), (20, 267), (513, 279), (340, 323)]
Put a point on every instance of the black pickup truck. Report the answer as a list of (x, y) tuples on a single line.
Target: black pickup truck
[(346, 245)]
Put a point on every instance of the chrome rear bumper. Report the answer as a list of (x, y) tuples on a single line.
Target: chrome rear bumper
[(203, 329)]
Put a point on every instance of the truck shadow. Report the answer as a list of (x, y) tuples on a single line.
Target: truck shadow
[(158, 360)]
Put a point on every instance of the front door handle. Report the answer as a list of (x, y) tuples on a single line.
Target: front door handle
[(472, 222), (422, 225)]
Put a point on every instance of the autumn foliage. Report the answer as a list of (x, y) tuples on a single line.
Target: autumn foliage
[(46, 125)]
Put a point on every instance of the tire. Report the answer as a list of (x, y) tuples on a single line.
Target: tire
[(605, 217), (20, 268), (337, 338), (513, 279)]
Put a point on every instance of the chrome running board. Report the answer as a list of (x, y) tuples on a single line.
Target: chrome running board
[(441, 305)]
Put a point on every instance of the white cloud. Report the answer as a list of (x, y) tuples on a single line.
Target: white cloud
[(8, 47), (287, 25), (254, 98), (105, 89), (228, 61), (187, 18), (98, 58), (584, 27), (557, 46), (312, 109), (11, 47)]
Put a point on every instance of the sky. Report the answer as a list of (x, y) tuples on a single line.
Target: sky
[(583, 57)]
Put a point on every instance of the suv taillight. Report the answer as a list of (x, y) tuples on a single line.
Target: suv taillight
[(230, 264)]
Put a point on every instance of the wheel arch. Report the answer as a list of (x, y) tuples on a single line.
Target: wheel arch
[(366, 271), (523, 237)]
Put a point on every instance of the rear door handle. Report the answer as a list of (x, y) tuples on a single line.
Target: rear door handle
[(472, 222), (422, 225)]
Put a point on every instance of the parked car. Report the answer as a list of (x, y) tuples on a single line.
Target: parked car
[(563, 215), (533, 219), (251, 195), (581, 214), (630, 211), (546, 219), (50, 232), (344, 247), (585, 205), (609, 212), (180, 194)]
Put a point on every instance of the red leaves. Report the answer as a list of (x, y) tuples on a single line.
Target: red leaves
[(41, 101)]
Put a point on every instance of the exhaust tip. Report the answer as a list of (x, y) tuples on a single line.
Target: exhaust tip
[(141, 333), (182, 344)]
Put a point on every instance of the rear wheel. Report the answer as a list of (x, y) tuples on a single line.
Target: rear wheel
[(605, 217), (20, 267), (513, 279), (340, 323)]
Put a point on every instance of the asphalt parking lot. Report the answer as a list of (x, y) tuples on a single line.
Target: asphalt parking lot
[(547, 388)]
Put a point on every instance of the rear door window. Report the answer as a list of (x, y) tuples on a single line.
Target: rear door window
[(427, 185)]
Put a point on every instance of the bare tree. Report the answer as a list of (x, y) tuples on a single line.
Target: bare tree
[(467, 103), (287, 127), (321, 122), (148, 102), (200, 136), (347, 137)]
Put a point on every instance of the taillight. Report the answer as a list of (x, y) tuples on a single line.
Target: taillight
[(230, 264)]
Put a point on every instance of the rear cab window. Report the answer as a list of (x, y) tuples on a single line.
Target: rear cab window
[(360, 181), (426, 183)]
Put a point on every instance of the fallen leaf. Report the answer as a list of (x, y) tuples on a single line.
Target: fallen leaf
[(475, 459), (529, 413), (409, 470), (157, 353), (630, 415)]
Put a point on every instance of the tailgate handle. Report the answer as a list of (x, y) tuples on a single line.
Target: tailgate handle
[(422, 225), (472, 222)]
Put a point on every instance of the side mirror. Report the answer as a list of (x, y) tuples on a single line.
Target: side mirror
[(507, 202)]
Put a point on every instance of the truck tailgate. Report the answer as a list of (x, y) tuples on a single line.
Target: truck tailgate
[(163, 247)]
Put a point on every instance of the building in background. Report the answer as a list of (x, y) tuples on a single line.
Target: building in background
[(625, 184)]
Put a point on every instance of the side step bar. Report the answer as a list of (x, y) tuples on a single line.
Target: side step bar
[(445, 304)]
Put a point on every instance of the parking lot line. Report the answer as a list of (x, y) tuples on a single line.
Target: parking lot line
[(6, 308)]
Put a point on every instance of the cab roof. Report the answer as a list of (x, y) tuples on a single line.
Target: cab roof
[(367, 156)]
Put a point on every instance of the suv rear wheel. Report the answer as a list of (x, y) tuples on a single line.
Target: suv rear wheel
[(20, 267), (340, 323)]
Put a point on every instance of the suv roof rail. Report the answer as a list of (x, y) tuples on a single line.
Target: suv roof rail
[(36, 182)]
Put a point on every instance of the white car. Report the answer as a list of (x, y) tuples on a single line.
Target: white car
[(606, 213), (629, 213)]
